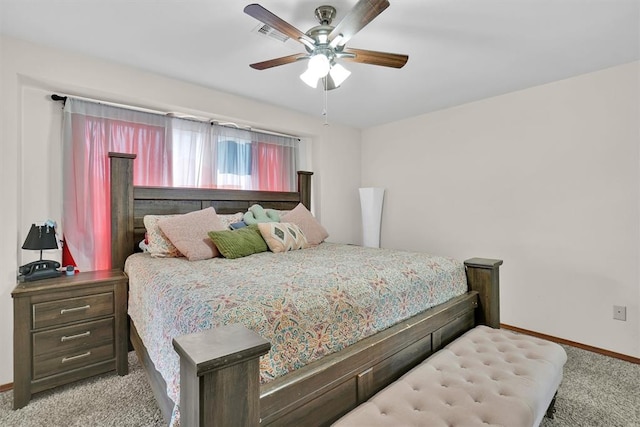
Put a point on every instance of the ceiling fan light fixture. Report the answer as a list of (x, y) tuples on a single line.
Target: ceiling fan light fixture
[(310, 78), (319, 64), (339, 74)]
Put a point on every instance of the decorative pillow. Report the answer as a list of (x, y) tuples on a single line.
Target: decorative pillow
[(228, 219), (188, 233), (283, 236), (312, 229), (239, 243), (158, 244), (237, 225), (258, 214)]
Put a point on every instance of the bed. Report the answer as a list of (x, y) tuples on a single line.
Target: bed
[(225, 372)]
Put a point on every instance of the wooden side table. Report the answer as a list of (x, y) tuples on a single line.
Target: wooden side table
[(66, 329)]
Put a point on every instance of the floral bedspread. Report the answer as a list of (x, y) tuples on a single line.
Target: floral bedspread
[(307, 303)]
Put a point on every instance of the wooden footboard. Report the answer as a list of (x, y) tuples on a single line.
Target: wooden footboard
[(217, 370)]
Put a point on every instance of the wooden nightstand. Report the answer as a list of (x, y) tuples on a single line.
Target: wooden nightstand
[(68, 328)]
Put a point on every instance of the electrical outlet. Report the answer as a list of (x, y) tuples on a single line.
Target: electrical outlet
[(620, 312)]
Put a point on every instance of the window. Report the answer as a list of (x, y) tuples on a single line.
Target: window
[(213, 156), (170, 152), (234, 163)]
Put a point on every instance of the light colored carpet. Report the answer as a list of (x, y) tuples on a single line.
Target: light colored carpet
[(597, 391), (105, 400)]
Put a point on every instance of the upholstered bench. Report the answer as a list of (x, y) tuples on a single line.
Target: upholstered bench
[(485, 377)]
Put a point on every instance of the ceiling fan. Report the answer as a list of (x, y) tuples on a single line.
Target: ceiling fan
[(325, 44)]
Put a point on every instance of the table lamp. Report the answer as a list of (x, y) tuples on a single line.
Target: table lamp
[(40, 237)]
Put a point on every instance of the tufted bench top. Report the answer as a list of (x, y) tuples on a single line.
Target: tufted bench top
[(487, 377)]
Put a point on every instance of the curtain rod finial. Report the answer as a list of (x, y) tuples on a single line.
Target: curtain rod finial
[(56, 97)]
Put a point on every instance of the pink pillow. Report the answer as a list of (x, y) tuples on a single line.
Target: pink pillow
[(188, 233), (312, 229)]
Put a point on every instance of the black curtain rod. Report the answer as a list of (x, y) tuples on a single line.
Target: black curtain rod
[(57, 97)]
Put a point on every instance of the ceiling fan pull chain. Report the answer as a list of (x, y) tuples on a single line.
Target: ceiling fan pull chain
[(325, 111)]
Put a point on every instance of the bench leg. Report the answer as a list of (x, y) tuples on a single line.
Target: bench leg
[(552, 407)]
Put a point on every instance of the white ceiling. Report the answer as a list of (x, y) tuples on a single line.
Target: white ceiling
[(459, 50)]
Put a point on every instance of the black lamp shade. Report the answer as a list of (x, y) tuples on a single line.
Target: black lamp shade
[(40, 237)]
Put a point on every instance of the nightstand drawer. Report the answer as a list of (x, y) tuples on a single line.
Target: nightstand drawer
[(72, 309), (73, 338), (46, 365)]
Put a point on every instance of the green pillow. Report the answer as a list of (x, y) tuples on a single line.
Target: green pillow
[(238, 243)]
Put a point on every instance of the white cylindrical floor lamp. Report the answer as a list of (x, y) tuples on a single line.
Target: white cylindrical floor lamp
[(371, 199)]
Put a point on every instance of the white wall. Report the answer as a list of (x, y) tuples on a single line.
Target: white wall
[(30, 165), (546, 179)]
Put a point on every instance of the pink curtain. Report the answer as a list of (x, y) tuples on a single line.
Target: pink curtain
[(87, 218), (267, 163)]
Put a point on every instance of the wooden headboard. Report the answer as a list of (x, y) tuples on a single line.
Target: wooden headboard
[(129, 203)]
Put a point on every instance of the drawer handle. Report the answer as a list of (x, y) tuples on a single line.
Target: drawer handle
[(73, 337), (71, 310), (80, 356)]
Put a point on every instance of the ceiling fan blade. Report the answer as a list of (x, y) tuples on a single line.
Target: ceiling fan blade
[(372, 57), (278, 61), (263, 15), (362, 13)]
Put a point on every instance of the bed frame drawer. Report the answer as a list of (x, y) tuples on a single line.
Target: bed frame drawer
[(73, 338), (68, 310)]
